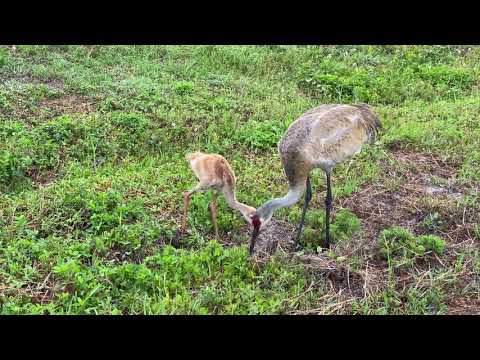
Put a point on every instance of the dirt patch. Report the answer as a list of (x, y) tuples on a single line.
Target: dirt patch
[(426, 164), (278, 235), (50, 108), (383, 204), (339, 284), (338, 277), (52, 84), (39, 293), (43, 179), (464, 306), (69, 104), (334, 275), (60, 103)]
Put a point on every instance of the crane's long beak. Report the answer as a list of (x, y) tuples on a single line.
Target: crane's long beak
[(255, 232)]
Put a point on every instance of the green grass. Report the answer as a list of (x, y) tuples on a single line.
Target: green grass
[(92, 172)]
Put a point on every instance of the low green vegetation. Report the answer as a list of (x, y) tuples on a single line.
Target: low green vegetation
[(399, 243), (92, 171), (343, 227)]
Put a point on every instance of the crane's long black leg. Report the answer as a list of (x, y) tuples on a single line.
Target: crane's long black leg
[(328, 207), (308, 197)]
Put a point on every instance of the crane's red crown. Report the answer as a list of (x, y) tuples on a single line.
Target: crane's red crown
[(256, 221)]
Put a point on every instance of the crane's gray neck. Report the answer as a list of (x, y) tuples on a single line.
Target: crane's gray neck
[(291, 198)]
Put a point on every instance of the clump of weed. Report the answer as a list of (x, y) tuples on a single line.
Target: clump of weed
[(55, 142), (443, 75), (400, 246), (431, 301), (184, 87), (133, 123), (343, 227), (471, 166), (294, 215), (346, 225), (397, 241), (315, 219), (408, 301), (310, 237), (432, 243), (260, 135), (81, 209), (14, 164), (5, 103), (3, 56), (132, 131), (431, 222)]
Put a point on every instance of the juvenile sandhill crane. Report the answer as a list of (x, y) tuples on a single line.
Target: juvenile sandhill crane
[(320, 138), (215, 173)]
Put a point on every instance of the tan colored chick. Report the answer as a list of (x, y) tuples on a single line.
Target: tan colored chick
[(214, 173)]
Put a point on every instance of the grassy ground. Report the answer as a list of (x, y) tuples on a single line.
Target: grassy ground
[(92, 170)]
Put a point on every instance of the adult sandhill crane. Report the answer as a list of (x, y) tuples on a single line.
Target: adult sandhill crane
[(320, 138), (215, 173)]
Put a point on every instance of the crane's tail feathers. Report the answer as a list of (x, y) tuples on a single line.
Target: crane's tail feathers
[(374, 127), (372, 121)]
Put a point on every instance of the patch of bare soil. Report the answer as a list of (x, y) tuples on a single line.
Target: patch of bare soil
[(45, 178), (62, 104), (69, 104), (39, 293), (338, 277), (278, 235), (464, 306), (52, 84), (41, 180), (334, 276), (382, 205)]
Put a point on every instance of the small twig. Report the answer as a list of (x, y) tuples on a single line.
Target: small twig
[(348, 280), (439, 260), (421, 279), (44, 295), (303, 293), (304, 312), (90, 51), (337, 306), (44, 281)]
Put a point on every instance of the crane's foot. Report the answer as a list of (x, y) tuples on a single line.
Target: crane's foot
[(296, 246), (179, 235), (321, 250), (175, 242)]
